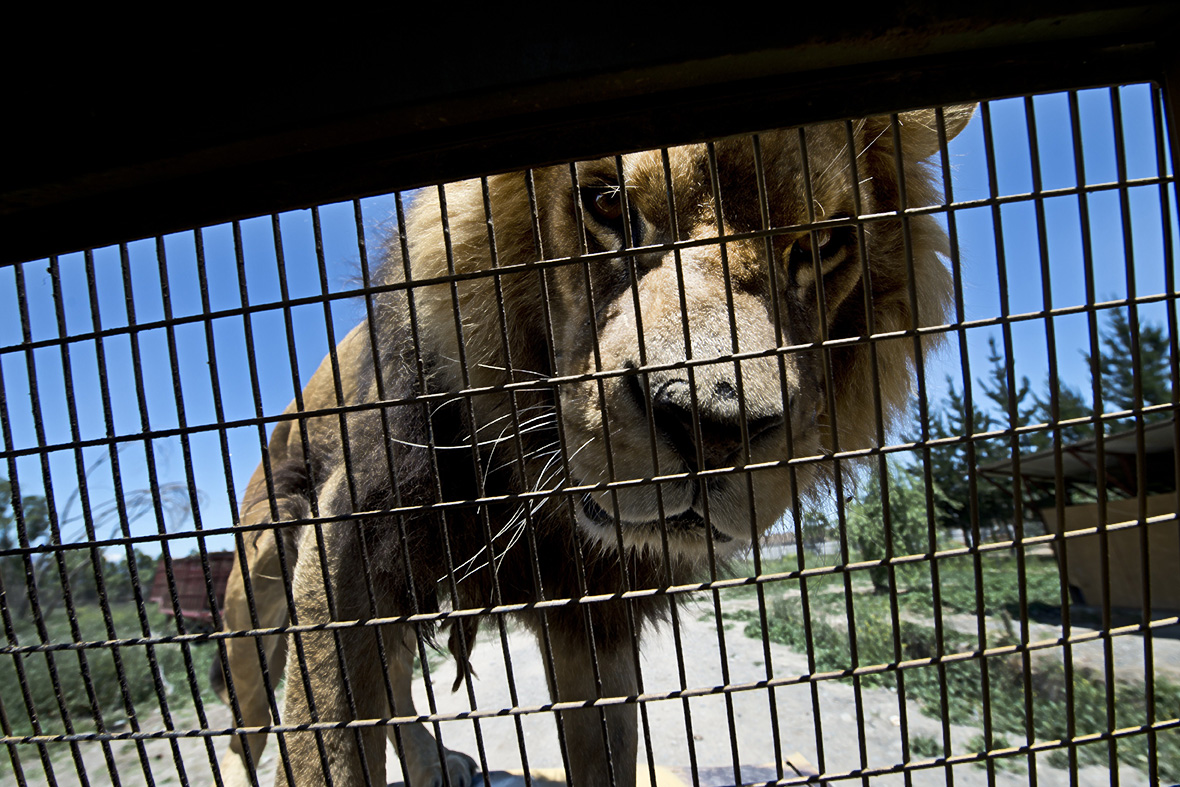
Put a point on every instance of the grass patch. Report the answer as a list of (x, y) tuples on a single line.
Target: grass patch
[(978, 743), (136, 675), (925, 747), (997, 589), (779, 565), (961, 691)]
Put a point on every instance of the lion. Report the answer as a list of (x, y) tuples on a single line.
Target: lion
[(575, 381)]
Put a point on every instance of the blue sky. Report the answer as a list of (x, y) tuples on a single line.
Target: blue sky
[(1063, 230), (340, 272)]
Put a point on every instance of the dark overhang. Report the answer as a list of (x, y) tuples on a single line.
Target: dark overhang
[(116, 139)]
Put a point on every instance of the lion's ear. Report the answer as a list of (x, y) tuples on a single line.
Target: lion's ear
[(919, 129)]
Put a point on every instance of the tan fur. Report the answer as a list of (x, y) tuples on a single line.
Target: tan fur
[(618, 329)]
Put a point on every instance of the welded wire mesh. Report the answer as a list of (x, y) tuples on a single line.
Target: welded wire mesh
[(723, 440)]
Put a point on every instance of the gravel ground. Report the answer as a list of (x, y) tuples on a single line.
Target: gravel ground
[(712, 747)]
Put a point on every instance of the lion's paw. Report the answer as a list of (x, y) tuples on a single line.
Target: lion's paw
[(461, 771), (460, 768)]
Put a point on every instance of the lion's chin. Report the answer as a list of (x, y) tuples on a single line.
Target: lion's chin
[(686, 531)]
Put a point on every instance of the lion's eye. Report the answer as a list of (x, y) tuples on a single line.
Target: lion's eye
[(827, 242), (605, 204), (821, 238)]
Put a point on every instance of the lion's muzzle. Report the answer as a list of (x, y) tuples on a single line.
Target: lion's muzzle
[(704, 421)]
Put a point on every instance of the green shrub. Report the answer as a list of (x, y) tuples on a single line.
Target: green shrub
[(908, 523), (925, 747), (117, 676), (978, 744)]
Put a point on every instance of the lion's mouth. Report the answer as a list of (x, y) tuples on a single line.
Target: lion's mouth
[(686, 521)]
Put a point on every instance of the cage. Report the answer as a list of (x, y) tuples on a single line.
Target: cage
[(831, 441)]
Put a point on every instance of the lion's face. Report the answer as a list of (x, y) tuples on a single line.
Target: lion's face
[(709, 347), (711, 376)]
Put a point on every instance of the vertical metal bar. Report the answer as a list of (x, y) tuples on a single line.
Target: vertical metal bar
[(286, 569), (465, 374), (948, 200), (837, 474), (772, 265), (390, 445), (628, 580), (1005, 327), (82, 494), (317, 526), (1169, 265), (600, 385), (545, 638), (1140, 446), (153, 475), (6, 728), (972, 459), (1051, 358), (899, 162), (194, 502), (32, 572), (1096, 394), (421, 376), (526, 508), (1092, 331), (18, 661), (583, 589), (718, 211), (1104, 558), (239, 543), (805, 595), (1169, 102), (870, 329), (1060, 495), (673, 607), (391, 448), (346, 457), (113, 452)]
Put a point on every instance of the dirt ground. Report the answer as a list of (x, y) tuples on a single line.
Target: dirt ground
[(713, 747)]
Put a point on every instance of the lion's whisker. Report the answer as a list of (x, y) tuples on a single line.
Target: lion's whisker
[(535, 424), (514, 370), (523, 458), (512, 523), (519, 411), (547, 474)]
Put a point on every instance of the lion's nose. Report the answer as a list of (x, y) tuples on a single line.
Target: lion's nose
[(715, 435)]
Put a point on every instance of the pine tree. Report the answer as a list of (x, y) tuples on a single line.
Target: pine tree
[(1011, 403), (1071, 404), (1016, 408), (1117, 369), (952, 466)]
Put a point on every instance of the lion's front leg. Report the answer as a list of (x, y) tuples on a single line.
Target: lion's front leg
[(333, 676), (250, 687), (574, 670), (415, 745)]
